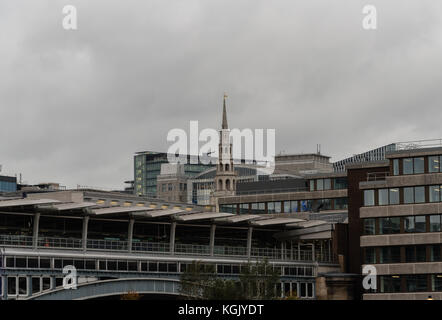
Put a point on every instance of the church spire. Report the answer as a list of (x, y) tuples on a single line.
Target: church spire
[(225, 126)]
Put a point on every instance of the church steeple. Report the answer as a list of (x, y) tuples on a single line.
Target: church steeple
[(224, 125)]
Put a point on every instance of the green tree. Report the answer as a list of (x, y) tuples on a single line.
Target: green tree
[(256, 281)]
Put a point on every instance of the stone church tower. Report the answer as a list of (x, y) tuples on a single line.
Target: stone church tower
[(225, 178)]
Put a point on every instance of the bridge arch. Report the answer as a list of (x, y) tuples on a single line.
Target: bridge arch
[(112, 287)]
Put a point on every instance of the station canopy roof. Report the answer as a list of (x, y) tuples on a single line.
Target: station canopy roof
[(26, 202)]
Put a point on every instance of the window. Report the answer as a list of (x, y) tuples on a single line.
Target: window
[(340, 183), (419, 165), (434, 193), (370, 255), (327, 184), (287, 206), (312, 185), (436, 282), (420, 223), (369, 226), (390, 284), (390, 255), (409, 224), (434, 164), (435, 223), (368, 197), (407, 166), (394, 196), (389, 225), (414, 224), (396, 167), (435, 253), (409, 195), (320, 184), (341, 203), (416, 283), (270, 207), (415, 254), (294, 205), (278, 207), (383, 197), (419, 194)]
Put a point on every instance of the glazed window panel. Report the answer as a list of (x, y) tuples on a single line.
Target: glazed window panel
[(434, 193), (294, 206), (407, 166), (368, 198), (396, 167), (320, 184), (419, 194), (409, 195), (390, 255), (383, 197), (436, 282), (419, 165), (287, 206), (435, 253), (434, 164), (389, 225), (277, 206), (370, 255), (340, 183), (369, 226), (394, 196), (270, 207), (435, 223), (327, 184), (420, 224)]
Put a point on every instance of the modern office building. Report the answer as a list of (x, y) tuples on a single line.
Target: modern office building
[(8, 184), (147, 167), (395, 223)]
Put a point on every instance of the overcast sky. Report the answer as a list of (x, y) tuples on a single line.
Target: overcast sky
[(76, 105)]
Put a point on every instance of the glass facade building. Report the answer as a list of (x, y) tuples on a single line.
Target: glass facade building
[(147, 166), (8, 184)]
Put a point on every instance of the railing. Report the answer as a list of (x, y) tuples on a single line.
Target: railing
[(153, 247), (419, 144), (60, 243), (377, 176), (181, 248), (16, 241), (113, 245), (229, 251)]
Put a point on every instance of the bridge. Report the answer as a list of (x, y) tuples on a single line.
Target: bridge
[(105, 288)]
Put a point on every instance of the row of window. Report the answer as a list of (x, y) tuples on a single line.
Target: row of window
[(416, 165), (287, 206), (6, 186), (403, 195), (170, 187), (328, 184), (143, 266), (410, 283), (405, 224), (403, 254)]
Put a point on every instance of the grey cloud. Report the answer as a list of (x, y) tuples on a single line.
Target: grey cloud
[(75, 106)]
